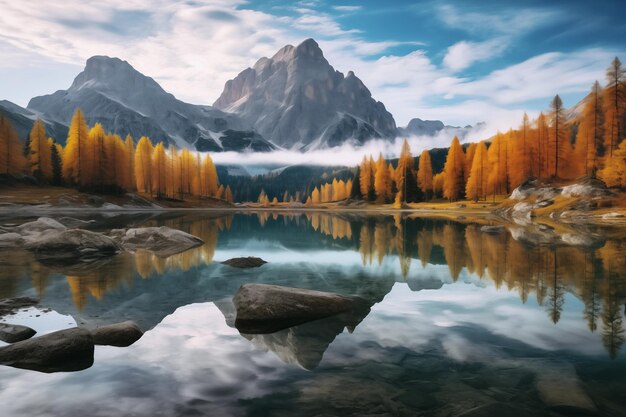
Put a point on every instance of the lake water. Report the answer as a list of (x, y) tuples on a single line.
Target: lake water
[(461, 322)]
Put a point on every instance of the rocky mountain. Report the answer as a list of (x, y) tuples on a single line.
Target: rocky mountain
[(23, 119), (419, 127), (297, 100), (112, 92)]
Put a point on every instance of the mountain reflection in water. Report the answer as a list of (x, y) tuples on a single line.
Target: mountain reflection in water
[(146, 288)]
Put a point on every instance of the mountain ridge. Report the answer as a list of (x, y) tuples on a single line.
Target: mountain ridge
[(110, 91), (299, 101)]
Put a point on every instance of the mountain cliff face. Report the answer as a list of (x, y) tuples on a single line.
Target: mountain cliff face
[(298, 101), (23, 119), (112, 92)]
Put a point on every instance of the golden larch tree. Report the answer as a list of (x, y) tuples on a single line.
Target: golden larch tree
[(159, 170), (143, 165), (381, 180), (40, 153), (476, 187), (425, 173), (75, 149), (454, 180)]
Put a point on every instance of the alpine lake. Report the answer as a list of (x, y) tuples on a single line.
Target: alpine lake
[(460, 321)]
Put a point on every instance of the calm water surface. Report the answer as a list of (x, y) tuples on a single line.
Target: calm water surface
[(461, 322)]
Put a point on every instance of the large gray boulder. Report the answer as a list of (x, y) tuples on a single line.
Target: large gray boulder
[(70, 246), (297, 100), (263, 308), (11, 333), (162, 241), (120, 334), (62, 351)]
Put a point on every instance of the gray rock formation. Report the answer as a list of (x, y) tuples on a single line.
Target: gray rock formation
[(11, 333), (112, 92), (62, 351), (120, 334), (162, 241), (263, 308), (297, 100)]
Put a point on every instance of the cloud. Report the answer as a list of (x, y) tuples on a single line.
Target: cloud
[(347, 8), (511, 21), (463, 54)]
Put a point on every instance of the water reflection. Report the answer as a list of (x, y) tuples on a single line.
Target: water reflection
[(146, 288)]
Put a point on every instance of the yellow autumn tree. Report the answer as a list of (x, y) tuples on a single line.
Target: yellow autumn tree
[(315, 196), (381, 180), (366, 179), (425, 173), (590, 133), (228, 194), (614, 173), (454, 180), (159, 171), (75, 149), (476, 187), (143, 165), (129, 169), (40, 153), (210, 176)]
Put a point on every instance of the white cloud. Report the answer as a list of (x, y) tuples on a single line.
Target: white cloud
[(347, 8), (512, 22), (463, 54)]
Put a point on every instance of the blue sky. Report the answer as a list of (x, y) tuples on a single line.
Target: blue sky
[(457, 61)]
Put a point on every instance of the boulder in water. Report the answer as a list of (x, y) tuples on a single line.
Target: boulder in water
[(63, 351), (11, 333), (162, 241), (72, 245), (265, 308), (120, 334), (245, 262)]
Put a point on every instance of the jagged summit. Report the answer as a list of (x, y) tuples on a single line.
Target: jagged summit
[(297, 100)]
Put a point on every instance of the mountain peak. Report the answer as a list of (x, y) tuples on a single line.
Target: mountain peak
[(111, 72), (298, 100), (309, 48)]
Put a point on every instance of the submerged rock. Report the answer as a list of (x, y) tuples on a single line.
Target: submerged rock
[(120, 334), (62, 351), (9, 305), (162, 241), (42, 224), (11, 240), (69, 246), (11, 333), (493, 230), (245, 262), (265, 308), (560, 389)]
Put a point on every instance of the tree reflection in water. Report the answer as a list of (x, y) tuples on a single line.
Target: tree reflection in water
[(595, 274)]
